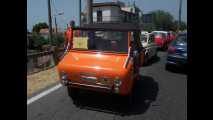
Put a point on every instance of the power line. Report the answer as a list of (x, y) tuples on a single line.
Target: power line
[(57, 12), (68, 19)]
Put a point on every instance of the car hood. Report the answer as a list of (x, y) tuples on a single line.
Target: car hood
[(95, 60)]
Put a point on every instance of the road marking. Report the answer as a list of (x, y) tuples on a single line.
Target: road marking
[(43, 94)]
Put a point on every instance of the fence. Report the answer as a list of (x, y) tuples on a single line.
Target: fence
[(43, 60)]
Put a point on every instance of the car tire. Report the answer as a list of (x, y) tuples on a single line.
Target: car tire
[(73, 93), (146, 60), (164, 48), (156, 54)]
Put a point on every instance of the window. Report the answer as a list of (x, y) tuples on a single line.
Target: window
[(143, 38), (99, 16), (160, 35), (181, 40), (101, 41)]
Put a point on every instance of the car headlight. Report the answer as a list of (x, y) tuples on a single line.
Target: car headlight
[(117, 81), (63, 75)]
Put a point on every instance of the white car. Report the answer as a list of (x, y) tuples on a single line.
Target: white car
[(148, 42)]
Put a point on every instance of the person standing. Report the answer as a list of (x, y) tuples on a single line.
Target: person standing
[(76, 33)]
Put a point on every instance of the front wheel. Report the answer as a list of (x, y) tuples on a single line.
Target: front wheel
[(156, 54), (146, 60), (164, 48)]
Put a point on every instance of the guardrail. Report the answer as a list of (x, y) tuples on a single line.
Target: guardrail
[(43, 60)]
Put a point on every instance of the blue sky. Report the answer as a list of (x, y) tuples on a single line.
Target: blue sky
[(37, 10)]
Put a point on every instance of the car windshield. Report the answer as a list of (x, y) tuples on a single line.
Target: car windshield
[(160, 35), (172, 33), (143, 38), (100, 41), (181, 40)]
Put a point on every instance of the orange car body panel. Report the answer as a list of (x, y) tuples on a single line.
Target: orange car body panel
[(103, 64)]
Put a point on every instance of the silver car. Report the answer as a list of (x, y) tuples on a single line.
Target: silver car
[(148, 42)]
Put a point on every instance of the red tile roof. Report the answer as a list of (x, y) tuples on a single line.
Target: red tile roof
[(46, 30)]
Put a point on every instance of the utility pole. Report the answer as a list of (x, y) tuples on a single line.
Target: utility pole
[(56, 32), (50, 23), (89, 12), (79, 12), (179, 15)]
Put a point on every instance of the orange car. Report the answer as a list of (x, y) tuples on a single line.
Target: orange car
[(105, 58)]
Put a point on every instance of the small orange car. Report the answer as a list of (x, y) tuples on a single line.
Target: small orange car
[(105, 58)]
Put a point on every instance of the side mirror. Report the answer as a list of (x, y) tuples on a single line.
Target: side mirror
[(135, 54)]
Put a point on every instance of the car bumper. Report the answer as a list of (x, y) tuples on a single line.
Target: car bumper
[(68, 83), (176, 60)]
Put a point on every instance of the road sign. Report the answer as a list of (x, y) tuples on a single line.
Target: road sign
[(148, 18)]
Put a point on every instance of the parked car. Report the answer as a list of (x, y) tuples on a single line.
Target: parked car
[(177, 51), (173, 34), (148, 42), (103, 59), (162, 38)]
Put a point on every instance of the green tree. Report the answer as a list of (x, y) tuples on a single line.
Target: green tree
[(37, 41), (149, 27), (163, 20), (61, 39), (183, 25), (37, 27)]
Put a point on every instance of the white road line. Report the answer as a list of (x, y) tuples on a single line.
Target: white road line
[(43, 94)]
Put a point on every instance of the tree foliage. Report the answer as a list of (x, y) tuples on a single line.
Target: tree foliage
[(164, 21), (37, 41), (37, 27), (60, 37)]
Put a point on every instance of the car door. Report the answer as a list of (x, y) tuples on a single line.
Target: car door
[(152, 45)]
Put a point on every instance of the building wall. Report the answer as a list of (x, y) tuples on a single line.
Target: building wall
[(109, 13), (115, 14)]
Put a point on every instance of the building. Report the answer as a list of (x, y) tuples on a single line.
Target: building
[(45, 32), (113, 12)]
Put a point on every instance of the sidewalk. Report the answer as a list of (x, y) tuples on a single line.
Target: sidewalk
[(42, 79)]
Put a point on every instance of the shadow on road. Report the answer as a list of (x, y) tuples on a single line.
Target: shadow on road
[(152, 61), (176, 69), (144, 93)]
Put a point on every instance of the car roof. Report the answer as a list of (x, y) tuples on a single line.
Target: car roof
[(160, 31), (108, 26)]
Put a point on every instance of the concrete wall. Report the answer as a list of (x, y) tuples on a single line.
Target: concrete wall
[(109, 13)]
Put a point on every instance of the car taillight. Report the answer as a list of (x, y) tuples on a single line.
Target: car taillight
[(171, 49)]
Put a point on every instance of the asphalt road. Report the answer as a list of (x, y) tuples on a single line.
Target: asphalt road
[(158, 95)]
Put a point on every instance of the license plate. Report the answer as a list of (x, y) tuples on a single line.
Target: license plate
[(105, 80), (89, 79)]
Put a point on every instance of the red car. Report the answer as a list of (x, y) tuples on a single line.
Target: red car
[(173, 34), (162, 39)]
